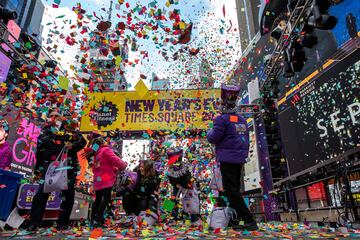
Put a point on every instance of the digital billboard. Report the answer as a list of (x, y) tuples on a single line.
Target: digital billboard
[(321, 119)]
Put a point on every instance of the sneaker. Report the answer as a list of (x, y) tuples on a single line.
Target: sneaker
[(197, 223), (250, 226), (33, 228), (63, 228)]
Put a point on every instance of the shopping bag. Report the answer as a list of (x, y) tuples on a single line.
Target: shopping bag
[(148, 218), (56, 178), (14, 220), (190, 200), (216, 179), (220, 217), (125, 181)]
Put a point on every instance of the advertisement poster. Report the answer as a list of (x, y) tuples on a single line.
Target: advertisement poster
[(157, 110), (252, 171), (5, 63), (23, 138), (27, 193)]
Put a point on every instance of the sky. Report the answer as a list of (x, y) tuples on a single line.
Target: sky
[(215, 33)]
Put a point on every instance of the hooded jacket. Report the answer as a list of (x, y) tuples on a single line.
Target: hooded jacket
[(49, 147), (105, 166), (230, 136)]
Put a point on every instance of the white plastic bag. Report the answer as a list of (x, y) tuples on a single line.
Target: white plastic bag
[(216, 179), (14, 220), (190, 201), (150, 219), (220, 217), (56, 175)]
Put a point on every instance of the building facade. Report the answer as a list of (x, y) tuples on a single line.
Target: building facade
[(248, 20), (30, 14), (102, 63)]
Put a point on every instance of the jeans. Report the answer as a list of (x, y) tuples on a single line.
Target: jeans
[(134, 204), (40, 200), (102, 200), (231, 174)]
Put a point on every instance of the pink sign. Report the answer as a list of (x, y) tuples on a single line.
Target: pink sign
[(24, 147), (14, 29)]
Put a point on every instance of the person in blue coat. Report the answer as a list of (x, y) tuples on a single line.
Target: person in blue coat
[(230, 135)]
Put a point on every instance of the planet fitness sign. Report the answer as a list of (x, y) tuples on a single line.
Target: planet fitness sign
[(156, 110)]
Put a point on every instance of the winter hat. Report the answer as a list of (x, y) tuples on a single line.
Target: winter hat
[(229, 94), (174, 155)]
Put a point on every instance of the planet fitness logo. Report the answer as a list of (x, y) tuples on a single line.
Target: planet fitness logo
[(105, 113)]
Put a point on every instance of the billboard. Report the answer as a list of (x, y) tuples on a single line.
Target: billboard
[(320, 117), (252, 176), (5, 63), (23, 140), (157, 110), (348, 15)]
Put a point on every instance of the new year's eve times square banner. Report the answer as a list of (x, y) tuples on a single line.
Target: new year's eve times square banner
[(157, 110), (322, 118)]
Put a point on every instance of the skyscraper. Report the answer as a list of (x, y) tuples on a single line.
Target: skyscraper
[(30, 14), (248, 20), (104, 57)]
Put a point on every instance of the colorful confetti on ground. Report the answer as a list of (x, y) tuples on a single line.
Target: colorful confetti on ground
[(272, 230)]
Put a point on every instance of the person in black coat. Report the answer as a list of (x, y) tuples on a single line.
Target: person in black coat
[(144, 196), (50, 143)]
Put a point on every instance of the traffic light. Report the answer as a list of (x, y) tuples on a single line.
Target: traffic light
[(320, 17)]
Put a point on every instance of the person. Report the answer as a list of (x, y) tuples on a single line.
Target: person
[(179, 175), (230, 136), (5, 151), (105, 166), (351, 25), (75, 144), (49, 145), (144, 196)]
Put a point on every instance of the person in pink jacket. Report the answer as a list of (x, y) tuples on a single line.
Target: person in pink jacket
[(105, 167)]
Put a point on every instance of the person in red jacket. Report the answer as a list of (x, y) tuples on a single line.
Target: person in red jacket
[(105, 166)]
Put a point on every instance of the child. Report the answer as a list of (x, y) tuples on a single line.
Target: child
[(180, 176), (105, 166)]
